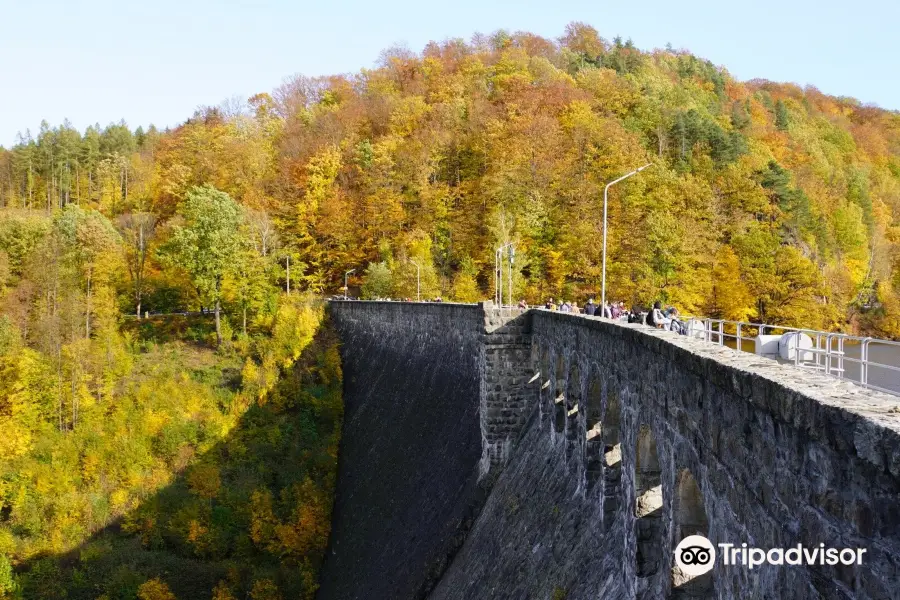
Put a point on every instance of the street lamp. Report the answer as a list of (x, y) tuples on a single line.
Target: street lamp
[(418, 281), (498, 277), (511, 252), (605, 195), (346, 289)]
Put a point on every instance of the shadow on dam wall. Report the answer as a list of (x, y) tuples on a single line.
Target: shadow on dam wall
[(408, 469), (598, 446)]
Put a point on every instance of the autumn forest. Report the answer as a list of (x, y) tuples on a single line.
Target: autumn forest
[(169, 389)]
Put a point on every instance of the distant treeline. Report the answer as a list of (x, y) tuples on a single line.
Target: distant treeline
[(766, 201)]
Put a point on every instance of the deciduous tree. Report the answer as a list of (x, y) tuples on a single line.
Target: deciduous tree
[(206, 244)]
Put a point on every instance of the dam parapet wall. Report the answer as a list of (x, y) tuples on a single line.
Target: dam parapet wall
[(606, 444)]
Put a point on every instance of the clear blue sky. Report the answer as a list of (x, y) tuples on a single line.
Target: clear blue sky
[(156, 61)]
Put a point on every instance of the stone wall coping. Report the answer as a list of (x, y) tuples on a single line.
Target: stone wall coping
[(402, 303), (398, 308), (838, 412)]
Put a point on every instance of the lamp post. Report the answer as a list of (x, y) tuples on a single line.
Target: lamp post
[(498, 276), (605, 196), (418, 281), (346, 289), (511, 252)]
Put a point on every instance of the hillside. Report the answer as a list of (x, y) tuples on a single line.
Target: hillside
[(766, 201), (144, 464)]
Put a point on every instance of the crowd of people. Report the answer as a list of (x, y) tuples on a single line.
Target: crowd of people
[(657, 317), (614, 310), (668, 318)]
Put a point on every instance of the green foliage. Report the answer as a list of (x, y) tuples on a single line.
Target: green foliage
[(740, 116), (690, 66), (10, 338), (782, 118), (197, 329), (378, 282), (20, 233), (623, 57), (86, 234), (692, 128), (465, 286), (206, 245), (8, 585)]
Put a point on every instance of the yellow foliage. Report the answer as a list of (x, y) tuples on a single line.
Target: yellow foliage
[(407, 115), (465, 288), (308, 530), (204, 480), (196, 532), (265, 589), (119, 499), (154, 421), (322, 171), (730, 298), (611, 93), (222, 592), (91, 463), (16, 439), (155, 589), (262, 520)]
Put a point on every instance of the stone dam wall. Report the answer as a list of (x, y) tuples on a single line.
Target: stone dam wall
[(411, 446), (576, 453)]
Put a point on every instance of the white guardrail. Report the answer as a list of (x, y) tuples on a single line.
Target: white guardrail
[(840, 355)]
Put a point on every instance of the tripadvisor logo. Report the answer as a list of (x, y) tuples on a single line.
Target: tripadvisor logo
[(695, 555)]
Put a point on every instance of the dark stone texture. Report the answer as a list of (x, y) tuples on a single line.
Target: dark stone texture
[(780, 456), (411, 447)]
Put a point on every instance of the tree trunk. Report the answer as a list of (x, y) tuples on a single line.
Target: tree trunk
[(245, 321), (87, 312), (59, 397), (139, 269), (218, 325), (74, 400)]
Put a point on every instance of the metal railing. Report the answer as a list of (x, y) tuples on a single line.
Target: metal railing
[(830, 353)]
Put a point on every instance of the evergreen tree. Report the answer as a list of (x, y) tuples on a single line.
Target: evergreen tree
[(782, 119)]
